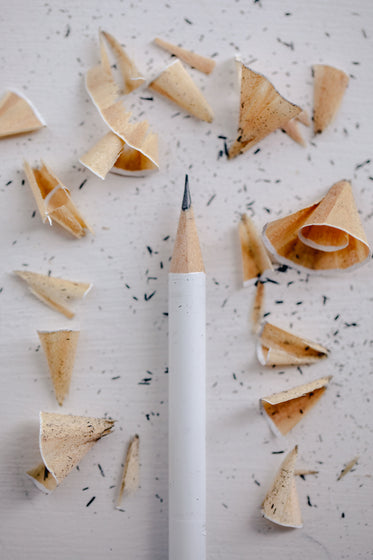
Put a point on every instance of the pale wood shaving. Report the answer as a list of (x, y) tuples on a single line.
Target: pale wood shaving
[(350, 465), (65, 439), (177, 85), (131, 471), (329, 87), (255, 259), (54, 201), (284, 410), (262, 110), (54, 292), (323, 237), (17, 116), (132, 78), (60, 350), (281, 504), (279, 347), (257, 312), (201, 63)]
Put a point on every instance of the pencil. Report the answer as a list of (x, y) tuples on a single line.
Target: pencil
[(187, 392)]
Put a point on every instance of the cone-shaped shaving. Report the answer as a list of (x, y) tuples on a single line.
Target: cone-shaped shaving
[(131, 471), (325, 236), (54, 292), (54, 201), (60, 350), (284, 410), (17, 115), (65, 439), (177, 85), (277, 347), (262, 111), (281, 504), (329, 87)]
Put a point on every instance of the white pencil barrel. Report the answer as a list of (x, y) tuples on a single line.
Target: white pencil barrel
[(187, 416)]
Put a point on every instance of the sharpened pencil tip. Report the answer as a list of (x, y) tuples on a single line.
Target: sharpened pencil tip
[(187, 201)]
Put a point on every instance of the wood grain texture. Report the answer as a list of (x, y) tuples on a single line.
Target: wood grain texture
[(121, 362)]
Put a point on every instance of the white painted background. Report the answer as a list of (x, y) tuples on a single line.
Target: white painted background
[(125, 337)]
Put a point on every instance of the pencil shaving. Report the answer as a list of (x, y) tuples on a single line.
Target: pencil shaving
[(305, 472), (303, 118), (139, 148), (139, 162), (201, 63), (292, 127), (42, 478), (255, 259), (54, 292), (329, 88), (277, 347), (100, 83), (131, 471), (284, 410), (350, 465), (281, 504), (257, 313), (53, 200), (177, 85), (65, 439), (292, 130), (111, 153), (262, 110), (132, 78), (60, 350), (323, 237), (133, 134), (102, 156), (17, 116)]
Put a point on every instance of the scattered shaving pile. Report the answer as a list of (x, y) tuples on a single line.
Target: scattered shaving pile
[(140, 147), (325, 236)]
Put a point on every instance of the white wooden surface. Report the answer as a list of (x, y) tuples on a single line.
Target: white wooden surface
[(45, 49)]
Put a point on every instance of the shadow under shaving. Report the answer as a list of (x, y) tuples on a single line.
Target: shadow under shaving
[(22, 456)]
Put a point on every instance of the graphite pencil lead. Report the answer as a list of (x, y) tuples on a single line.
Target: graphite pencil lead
[(187, 201), (187, 256)]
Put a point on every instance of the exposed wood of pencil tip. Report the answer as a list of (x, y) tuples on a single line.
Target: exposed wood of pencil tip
[(187, 256)]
